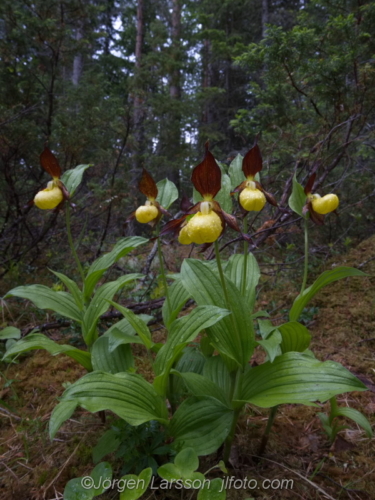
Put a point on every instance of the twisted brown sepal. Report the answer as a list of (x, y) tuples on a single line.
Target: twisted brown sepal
[(310, 183), (206, 176), (147, 185), (49, 163), (230, 220), (318, 219), (252, 162), (173, 226)]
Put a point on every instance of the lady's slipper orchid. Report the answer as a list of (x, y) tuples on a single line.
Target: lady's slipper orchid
[(204, 222), (317, 205), (55, 193), (252, 196), (151, 211)]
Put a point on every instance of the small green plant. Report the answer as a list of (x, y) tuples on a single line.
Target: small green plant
[(332, 425)]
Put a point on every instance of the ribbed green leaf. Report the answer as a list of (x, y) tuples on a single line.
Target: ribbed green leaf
[(295, 337), (126, 394), (202, 423), (272, 344), (73, 178), (100, 304), (235, 272), (178, 295), (357, 417), (295, 378), (115, 361), (183, 331), (215, 369), (137, 323), (99, 266), (61, 413), (234, 334), (324, 279), (167, 193), (223, 196), (191, 361), (297, 199), (198, 385), (45, 298), (72, 287), (40, 341)]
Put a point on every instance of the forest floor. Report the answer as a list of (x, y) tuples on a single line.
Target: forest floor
[(342, 324)]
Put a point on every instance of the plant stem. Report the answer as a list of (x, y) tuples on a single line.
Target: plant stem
[(162, 272), (71, 244), (306, 263), (271, 418), (229, 440), (245, 252)]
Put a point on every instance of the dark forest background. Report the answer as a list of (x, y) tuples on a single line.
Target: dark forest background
[(129, 84)]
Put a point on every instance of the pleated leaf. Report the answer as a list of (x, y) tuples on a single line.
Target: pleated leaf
[(215, 369), (111, 361), (234, 334), (61, 413), (183, 331), (137, 323), (126, 394), (167, 193), (198, 385), (324, 279), (272, 344), (39, 341), (72, 287), (235, 171), (99, 266), (45, 298), (73, 178), (296, 378), (178, 295), (295, 337), (297, 199), (202, 423), (235, 272), (100, 304), (357, 417)]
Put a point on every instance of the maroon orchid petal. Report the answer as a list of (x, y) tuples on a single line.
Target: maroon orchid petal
[(206, 176), (318, 219), (252, 162), (310, 183), (173, 226), (49, 163), (185, 203), (147, 185)]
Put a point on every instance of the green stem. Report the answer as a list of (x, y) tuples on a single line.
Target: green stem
[(71, 244), (271, 418), (245, 252), (229, 440), (162, 272), (306, 263)]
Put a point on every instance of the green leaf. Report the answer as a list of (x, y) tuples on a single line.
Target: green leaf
[(202, 423), (187, 460), (235, 172), (115, 361), (214, 491), (108, 443), (45, 298), (73, 178), (357, 417), (297, 199), (139, 326), (296, 378), (72, 287), (324, 279), (10, 332), (99, 266), (40, 341), (272, 344), (235, 272), (61, 413), (198, 385), (266, 327), (121, 333), (135, 486), (167, 193), (88, 487), (75, 491), (223, 196), (126, 394), (295, 337), (178, 295), (234, 334), (183, 331), (100, 304), (216, 370), (102, 475)]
